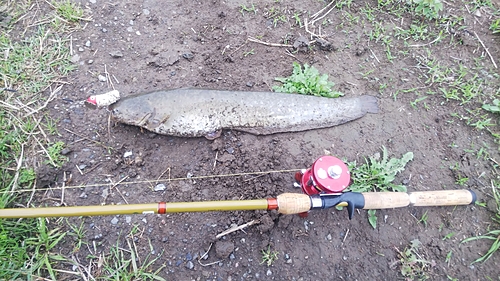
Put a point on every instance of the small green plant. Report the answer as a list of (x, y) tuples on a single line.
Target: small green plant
[(244, 8), (378, 173), (268, 256), (307, 81), (424, 219), (449, 236), (495, 26), (246, 54), (495, 107), (372, 218), (68, 10), (428, 8), (54, 154), (414, 266)]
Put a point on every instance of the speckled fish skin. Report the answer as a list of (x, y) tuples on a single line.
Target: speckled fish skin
[(199, 112)]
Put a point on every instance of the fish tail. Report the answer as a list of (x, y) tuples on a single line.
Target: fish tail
[(369, 104)]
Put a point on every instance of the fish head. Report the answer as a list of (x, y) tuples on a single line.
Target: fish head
[(135, 113)]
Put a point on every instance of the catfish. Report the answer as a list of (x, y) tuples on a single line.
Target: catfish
[(202, 112)]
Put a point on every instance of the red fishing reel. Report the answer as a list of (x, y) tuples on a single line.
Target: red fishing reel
[(328, 174)]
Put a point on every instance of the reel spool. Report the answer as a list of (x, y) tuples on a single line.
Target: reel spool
[(328, 174)]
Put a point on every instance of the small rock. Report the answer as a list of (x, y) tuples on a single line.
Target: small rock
[(116, 54), (104, 30), (130, 29), (101, 78), (223, 249), (344, 258), (138, 32), (189, 257), (269, 272), (80, 49), (189, 265), (477, 13), (87, 44), (93, 1), (249, 84), (230, 150), (83, 195), (289, 261), (66, 151), (75, 58), (160, 187), (188, 55), (177, 263), (90, 61), (131, 22), (114, 221), (329, 237), (145, 12), (144, 220), (127, 154), (128, 219), (231, 256)]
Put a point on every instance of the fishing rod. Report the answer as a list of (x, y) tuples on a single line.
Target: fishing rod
[(322, 185)]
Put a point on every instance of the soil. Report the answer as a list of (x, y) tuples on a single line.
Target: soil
[(149, 45)]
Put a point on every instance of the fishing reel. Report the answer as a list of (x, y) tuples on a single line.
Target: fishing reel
[(327, 174), (325, 181)]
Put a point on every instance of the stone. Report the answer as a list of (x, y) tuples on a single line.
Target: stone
[(223, 249)]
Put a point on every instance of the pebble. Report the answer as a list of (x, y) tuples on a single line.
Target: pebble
[(83, 195), (101, 78), (104, 30), (329, 237), (223, 249), (230, 150), (130, 29), (87, 44), (289, 261), (128, 219), (189, 257), (269, 272), (249, 84), (93, 1), (90, 61), (145, 12), (160, 187), (66, 151), (138, 32), (80, 49), (188, 55), (127, 154), (131, 22), (231, 256), (116, 54), (177, 263), (75, 58), (114, 221)]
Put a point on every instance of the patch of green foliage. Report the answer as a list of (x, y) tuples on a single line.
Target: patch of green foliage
[(428, 8), (268, 256), (413, 264), (307, 81), (68, 10), (495, 26), (495, 107), (378, 173), (493, 235)]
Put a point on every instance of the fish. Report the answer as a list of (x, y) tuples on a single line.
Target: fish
[(189, 112)]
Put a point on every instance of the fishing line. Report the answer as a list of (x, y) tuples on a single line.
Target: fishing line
[(151, 181)]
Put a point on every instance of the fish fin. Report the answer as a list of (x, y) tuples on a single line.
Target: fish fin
[(369, 104), (213, 135)]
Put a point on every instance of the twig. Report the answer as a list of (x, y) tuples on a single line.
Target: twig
[(62, 189), (486, 49), (85, 138), (325, 14), (18, 168), (81, 173), (345, 236), (119, 192), (233, 229), (51, 97), (374, 55), (322, 10), (206, 253), (427, 44), (251, 39), (215, 160)]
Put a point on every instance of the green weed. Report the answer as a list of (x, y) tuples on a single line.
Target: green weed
[(54, 154), (244, 8), (428, 8), (413, 264), (494, 107), (424, 219), (307, 81), (372, 218), (268, 256), (495, 26), (378, 173)]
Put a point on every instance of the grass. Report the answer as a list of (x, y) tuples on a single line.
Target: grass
[(268, 256), (31, 67), (492, 234), (307, 81)]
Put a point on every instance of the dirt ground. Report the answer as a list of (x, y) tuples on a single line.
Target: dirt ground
[(143, 46)]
